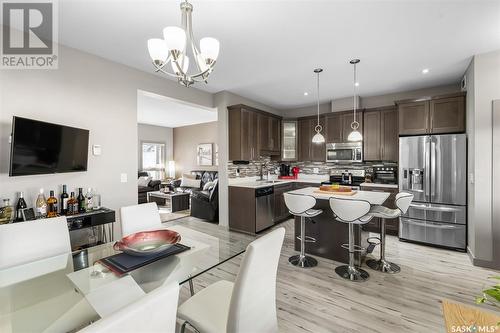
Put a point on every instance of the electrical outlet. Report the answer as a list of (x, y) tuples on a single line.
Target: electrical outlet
[(316, 170)]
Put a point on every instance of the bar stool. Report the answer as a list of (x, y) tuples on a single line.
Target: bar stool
[(403, 201), (351, 212), (301, 205)]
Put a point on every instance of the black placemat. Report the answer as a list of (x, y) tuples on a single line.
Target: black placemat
[(122, 263)]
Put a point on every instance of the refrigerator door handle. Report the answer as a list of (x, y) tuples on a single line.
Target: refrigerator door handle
[(427, 170), (433, 170), (433, 208)]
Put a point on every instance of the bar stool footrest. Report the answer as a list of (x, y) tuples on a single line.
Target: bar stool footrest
[(357, 248), (307, 239)]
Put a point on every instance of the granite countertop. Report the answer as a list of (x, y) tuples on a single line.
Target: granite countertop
[(253, 182), (380, 185)]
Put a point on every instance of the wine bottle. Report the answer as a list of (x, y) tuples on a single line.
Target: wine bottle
[(21, 204), (81, 201), (64, 201), (41, 205), (52, 205), (72, 205)]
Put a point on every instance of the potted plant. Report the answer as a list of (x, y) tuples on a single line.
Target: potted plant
[(491, 295)]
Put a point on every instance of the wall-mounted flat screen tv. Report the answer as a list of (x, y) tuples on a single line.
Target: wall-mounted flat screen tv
[(40, 148)]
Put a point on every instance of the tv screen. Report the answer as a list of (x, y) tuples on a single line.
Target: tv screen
[(39, 148)]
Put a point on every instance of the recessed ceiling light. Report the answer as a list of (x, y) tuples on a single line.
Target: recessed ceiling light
[(357, 84), (425, 70), (306, 93)]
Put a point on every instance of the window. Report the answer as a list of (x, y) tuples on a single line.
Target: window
[(153, 159)]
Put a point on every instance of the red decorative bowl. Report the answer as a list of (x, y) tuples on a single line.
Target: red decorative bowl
[(145, 243)]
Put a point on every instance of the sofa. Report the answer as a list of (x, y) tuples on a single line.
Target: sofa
[(204, 203), (142, 191)]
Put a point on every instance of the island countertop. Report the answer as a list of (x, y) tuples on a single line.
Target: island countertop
[(374, 198)]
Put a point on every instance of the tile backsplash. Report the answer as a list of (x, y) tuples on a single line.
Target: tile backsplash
[(323, 168)]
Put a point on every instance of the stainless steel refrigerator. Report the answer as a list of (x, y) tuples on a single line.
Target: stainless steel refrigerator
[(434, 169)]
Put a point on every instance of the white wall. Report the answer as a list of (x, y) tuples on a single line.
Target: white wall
[(157, 134), (484, 87), (88, 92), (186, 141)]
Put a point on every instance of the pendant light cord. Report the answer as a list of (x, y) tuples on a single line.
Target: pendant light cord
[(355, 104), (317, 94)]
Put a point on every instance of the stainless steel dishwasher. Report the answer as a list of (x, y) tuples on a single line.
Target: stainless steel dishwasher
[(264, 208)]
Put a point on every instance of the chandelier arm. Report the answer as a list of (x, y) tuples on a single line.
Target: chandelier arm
[(167, 73), (204, 72)]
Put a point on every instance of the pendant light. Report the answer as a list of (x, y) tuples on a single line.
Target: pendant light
[(355, 135), (318, 137)]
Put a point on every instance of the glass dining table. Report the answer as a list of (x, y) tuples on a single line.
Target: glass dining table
[(67, 292)]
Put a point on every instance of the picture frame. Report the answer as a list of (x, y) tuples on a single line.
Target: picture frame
[(205, 154)]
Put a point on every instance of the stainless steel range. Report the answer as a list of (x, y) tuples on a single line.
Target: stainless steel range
[(347, 177), (433, 168)]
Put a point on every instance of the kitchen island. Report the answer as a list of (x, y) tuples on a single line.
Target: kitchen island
[(328, 232)]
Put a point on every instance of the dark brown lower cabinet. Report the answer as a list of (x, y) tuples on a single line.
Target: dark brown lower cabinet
[(391, 225), (280, 210)]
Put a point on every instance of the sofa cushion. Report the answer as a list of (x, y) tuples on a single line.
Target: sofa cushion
[(143, 181), (143, 189), (188, 182)]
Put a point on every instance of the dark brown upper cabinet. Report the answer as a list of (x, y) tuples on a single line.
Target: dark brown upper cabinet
[(447, 115), (338, 125), (436, 115), (413, 118), (309, 151), (372, 150), (380, 134), (252, 133), (389, 134)]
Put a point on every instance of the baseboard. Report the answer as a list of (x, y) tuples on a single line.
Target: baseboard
[(482, 263)]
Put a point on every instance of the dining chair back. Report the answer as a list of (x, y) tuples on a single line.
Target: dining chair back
[(139, 218), (253, 301), (155, 312), (29, 241)]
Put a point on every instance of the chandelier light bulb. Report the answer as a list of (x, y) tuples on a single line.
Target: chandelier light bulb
[(158, 50), (175, 38), (318, 138), (209, 47), (355, 135)]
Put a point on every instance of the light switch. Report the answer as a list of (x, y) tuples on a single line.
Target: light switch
[(96, 150), (123, 178)]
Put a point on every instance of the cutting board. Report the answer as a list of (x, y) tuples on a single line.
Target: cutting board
[(336, 192)]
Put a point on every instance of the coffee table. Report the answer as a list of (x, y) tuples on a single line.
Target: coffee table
[(177, 201)]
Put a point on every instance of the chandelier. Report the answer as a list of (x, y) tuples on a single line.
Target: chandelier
[(318, 137), (174, 47)]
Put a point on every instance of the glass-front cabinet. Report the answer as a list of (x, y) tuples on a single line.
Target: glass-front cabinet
[(289, 146)]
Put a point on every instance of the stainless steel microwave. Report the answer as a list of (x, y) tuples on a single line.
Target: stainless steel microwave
[(344, 152)]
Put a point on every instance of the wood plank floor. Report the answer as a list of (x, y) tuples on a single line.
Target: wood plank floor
[(317, 300)]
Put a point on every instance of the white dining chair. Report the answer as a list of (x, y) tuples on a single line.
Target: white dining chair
[(155, 312), (248, 305), (139, 218), (25, 242)]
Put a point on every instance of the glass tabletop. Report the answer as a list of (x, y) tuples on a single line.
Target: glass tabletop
[(67, 292)]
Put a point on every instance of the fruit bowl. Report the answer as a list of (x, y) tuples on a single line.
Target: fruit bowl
[(145, 243)]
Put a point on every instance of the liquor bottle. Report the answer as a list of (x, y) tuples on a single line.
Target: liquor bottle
[(72, 205), (6, 212), (52, 205), (21, 204), (90, 201), (64, 201), (41, 205), (81, 201), (96, 200)]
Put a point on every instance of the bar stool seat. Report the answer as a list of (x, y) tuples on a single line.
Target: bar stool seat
[(302, 206), (403, 201)]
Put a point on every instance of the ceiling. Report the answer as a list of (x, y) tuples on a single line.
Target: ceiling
[(270, 48), (153, 109)]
